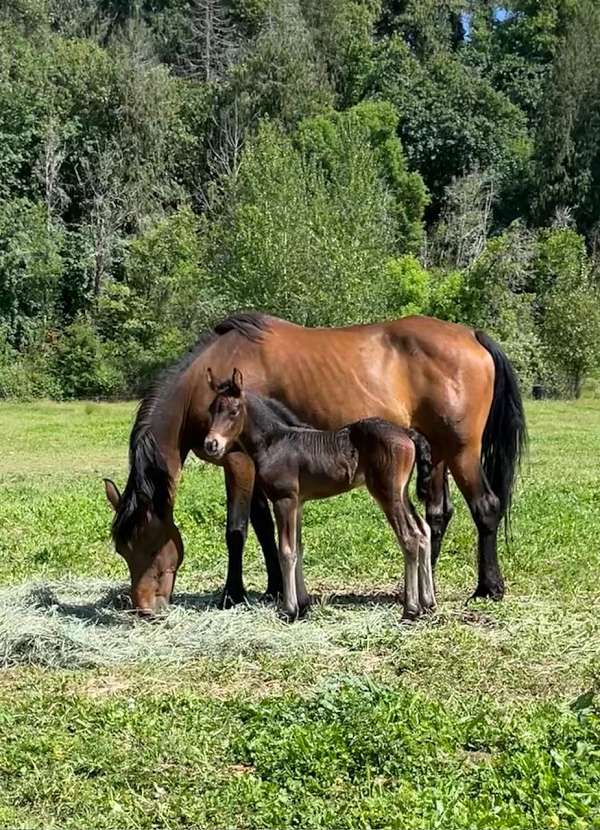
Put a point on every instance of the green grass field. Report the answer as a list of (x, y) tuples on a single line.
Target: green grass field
[(481, 717)]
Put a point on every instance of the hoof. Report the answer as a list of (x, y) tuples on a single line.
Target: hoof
[(494, 591), (274, 589), (303, 608), (287, 616), (268, 598), (230, 598), (411, 614)]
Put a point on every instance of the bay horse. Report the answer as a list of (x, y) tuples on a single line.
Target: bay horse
[(453, 384), (296, 463)]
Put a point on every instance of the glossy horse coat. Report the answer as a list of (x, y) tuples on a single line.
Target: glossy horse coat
[(451, 383)]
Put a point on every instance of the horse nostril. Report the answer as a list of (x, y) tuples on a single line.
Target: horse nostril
[(210, 445)]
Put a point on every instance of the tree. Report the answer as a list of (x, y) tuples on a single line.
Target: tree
[(300, 244), (282, 76), (568, 137), (325, 138), (465, 222), (451, 120), (30, 270), (207, 40), (571, 331)]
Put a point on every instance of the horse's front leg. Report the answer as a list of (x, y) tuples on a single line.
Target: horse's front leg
[(262, 522), (239, 485), (286, 516)]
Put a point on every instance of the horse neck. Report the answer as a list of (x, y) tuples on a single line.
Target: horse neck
[(261, 425), (166, 422)]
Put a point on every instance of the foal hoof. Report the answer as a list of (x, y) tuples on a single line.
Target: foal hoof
[(231, 598), (411, 615), (288, 616)]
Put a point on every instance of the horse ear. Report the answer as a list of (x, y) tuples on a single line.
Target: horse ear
[(112, 493), (237, 381), (211, 379)]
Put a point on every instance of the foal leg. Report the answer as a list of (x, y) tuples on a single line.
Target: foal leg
[(239, 485), (426, 587), (392, 500), (262, 522), (485, 509), (302, 593), (286, 517), (439, 509)]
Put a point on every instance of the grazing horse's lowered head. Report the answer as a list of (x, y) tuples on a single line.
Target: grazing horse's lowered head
[(143, 529)]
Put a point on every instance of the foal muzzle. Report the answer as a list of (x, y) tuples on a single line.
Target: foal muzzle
[(214, 447)]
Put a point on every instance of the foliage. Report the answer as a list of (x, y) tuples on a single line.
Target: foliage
[(325, 140), (451, 120), (568, 145), (571, 331), (30, 269), (80, 365), (167, 161), (302, 244), (409, 287), (164, 300)]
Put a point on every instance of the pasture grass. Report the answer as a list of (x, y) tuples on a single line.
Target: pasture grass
[(484, 716)]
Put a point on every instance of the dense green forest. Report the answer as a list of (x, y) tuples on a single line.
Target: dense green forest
[(164, 162)]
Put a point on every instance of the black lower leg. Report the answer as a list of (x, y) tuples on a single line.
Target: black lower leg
[(439, 511), (264, 527), (487, 515), (234, 591)]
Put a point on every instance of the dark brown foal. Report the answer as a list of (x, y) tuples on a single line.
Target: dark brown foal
[(297, 463)]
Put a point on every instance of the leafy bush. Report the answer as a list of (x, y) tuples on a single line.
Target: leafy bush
[(296, 242), (80, 364), (408, 286), (163, 302), (325, 140), (30, 269)]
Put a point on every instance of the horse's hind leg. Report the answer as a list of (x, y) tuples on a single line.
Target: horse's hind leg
[(485, 508), (392, 500), (426, 586), (262, 522), (439, 509)]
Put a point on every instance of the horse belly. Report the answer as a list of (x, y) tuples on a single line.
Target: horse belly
[(314, 486)]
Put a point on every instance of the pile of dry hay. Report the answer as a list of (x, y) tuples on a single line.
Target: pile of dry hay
[(85, 623)]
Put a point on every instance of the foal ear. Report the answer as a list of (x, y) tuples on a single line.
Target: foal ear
[(211, 379), (237, 381), (112, 493)]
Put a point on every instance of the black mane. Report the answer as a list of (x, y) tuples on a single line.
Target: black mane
[(273, 416), (250, 324), (149, 482)]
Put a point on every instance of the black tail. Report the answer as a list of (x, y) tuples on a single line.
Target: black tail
[(505, 435), (424, 465)]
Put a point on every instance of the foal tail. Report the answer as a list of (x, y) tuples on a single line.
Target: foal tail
[(505, 436), (424, 465)]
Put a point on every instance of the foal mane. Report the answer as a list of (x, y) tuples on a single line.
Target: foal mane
[(149, 483)]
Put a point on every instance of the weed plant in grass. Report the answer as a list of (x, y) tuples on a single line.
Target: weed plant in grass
[(348, 719)]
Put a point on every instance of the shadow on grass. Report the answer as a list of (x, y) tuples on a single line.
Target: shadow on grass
[(113, 607)]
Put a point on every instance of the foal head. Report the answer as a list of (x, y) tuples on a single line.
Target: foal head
[(227, 414)]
